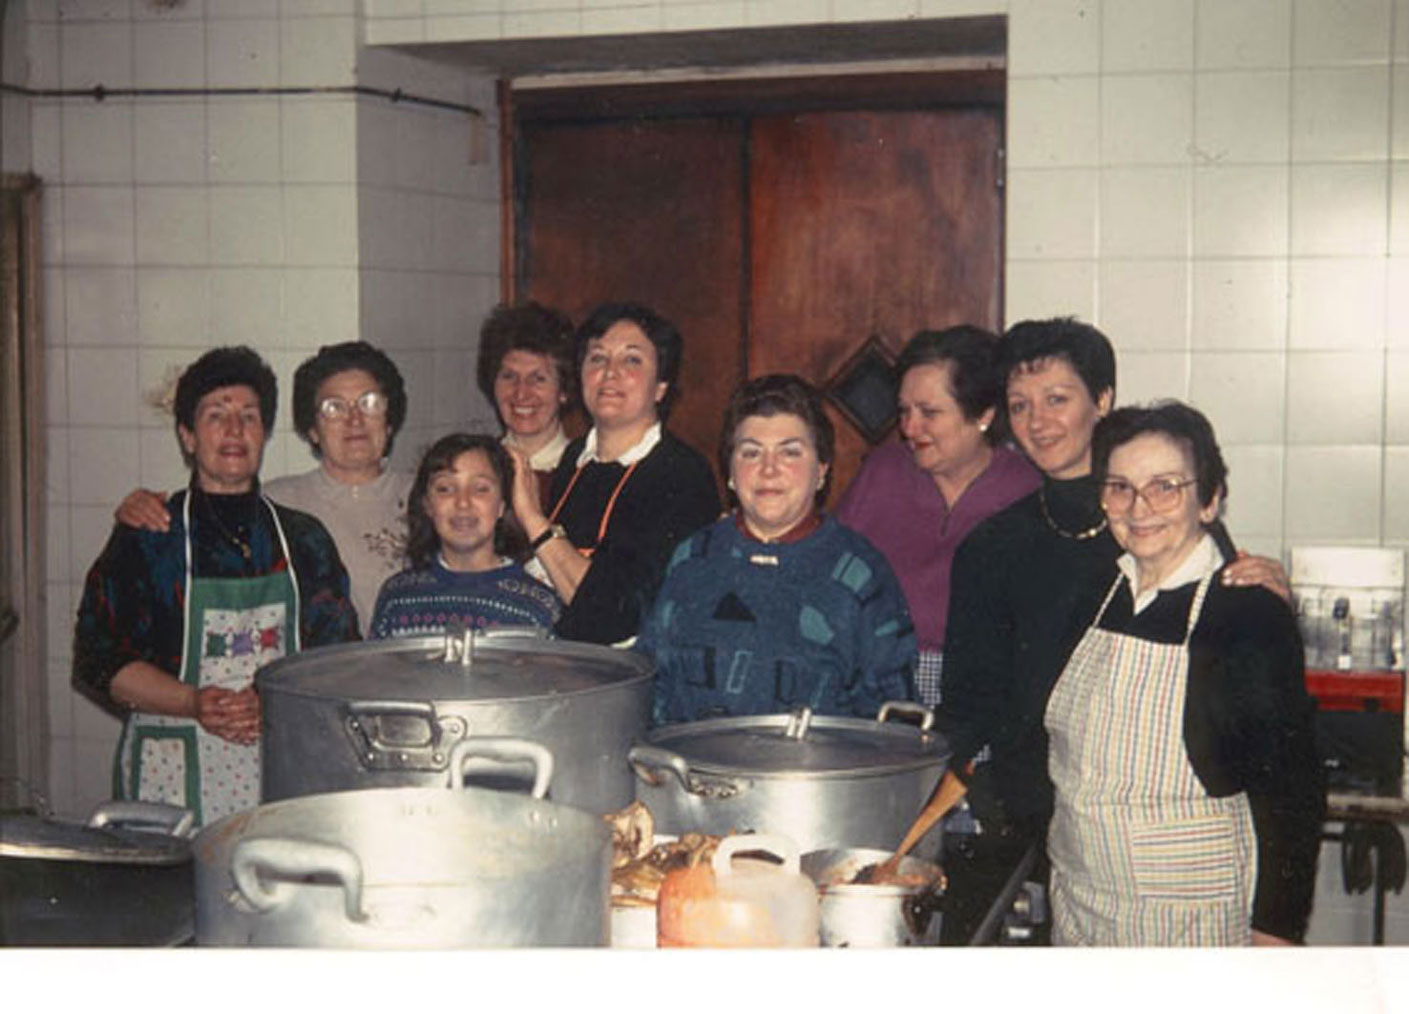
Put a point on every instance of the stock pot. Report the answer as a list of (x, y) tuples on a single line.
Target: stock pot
[(123, 879), (408, 867), (384, 714), (825, 782)]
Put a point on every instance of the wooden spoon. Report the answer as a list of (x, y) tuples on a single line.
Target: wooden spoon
[(948, 793)]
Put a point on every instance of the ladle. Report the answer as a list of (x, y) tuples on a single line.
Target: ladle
[(948, 793)]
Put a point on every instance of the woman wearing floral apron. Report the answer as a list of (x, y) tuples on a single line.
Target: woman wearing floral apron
[(173, 625), (1189, 798)]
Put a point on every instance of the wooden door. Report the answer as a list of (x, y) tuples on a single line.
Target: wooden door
[(778, 243), (646, 212), (868, 224)]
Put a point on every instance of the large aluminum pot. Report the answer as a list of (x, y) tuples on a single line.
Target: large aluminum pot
[(408, 868), (900, 914), (825, 782), (122, 880), (388, 713)]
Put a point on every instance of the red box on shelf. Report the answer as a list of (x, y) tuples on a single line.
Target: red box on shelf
[(1356, 691)]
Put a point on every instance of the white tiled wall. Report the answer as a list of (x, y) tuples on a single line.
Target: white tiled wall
[(174, 224), (1223, 185)]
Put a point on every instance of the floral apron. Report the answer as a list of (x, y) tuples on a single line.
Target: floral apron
[(1141, 854), (231, 627)]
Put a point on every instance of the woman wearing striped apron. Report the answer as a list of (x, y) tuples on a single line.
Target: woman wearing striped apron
[(1189, 798)]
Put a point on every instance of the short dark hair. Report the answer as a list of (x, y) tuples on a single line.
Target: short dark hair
[(227, 366), (1086, 349), (333, 359), (527, 327), (971, 354), (779, 394), (422, 542), (664, 335), (1186, 426)]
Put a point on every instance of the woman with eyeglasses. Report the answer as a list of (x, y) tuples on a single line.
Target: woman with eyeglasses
[(1189, 797), (1026, 583), (349, 402)]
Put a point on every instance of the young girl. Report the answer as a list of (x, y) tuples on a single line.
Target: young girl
[(459, 535)]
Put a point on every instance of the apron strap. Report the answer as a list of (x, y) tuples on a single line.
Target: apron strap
[(190, 572)]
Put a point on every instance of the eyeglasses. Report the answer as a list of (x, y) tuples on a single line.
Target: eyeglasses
[(1162, 494), (368, 403)]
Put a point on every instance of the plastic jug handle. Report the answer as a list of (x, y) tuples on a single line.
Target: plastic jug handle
[(779, 845)]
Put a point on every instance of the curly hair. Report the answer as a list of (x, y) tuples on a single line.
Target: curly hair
[(526, 327), (422, 542), (779, 394), (227, 366), (333, 359)]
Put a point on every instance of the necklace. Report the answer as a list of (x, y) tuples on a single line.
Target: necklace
[(1081, 536), (242, 544)]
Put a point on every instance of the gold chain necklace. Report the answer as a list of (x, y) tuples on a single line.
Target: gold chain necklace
[(1081, 536), (243, 545)]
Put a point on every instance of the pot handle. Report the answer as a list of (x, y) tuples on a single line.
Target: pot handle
[(173, 820), (263, 867), (924, 714), (649, 761), (779, 845), (502, 748)]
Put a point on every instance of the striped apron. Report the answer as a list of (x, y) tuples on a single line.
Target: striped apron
[(1141, 854)]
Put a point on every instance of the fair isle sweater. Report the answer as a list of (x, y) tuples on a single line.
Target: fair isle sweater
[(742, 627), (427, 601)]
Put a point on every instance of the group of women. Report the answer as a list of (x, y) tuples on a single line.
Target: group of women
[(1101, 658)]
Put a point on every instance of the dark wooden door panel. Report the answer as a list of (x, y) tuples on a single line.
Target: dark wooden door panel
[(649, 211), (868, 223)]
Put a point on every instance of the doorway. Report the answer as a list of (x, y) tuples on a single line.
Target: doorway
[(23, 713), (798, 225)]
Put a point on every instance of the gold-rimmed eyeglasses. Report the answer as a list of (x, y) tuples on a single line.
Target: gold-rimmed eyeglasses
[(1162, 493), (368, 403)]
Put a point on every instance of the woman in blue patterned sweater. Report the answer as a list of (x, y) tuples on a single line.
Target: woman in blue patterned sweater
[(777, 605), (460, 535)]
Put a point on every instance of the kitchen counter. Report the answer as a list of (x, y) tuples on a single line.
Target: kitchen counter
[(1353, 806)]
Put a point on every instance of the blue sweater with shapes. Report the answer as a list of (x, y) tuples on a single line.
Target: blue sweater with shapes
[(742, 627)]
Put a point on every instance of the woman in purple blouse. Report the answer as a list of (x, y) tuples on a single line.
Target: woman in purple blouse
[(916, 500)]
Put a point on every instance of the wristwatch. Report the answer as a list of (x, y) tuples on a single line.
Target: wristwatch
[(549, 533)]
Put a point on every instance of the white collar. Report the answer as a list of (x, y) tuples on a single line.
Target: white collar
[(632, 455), (1202, 561), (546, 458)]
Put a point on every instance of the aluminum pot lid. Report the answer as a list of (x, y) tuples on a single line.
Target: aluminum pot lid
[(503, 666), (27, 836), (801, 745)]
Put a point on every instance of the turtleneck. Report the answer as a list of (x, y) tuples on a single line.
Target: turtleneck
[(1074, 505)]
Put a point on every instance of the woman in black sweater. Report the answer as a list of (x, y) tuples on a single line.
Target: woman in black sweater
[(627, 492), (1027, 583)]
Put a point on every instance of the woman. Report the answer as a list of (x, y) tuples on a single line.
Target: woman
[(349, 403), (460, 572), (625, 494), (1189, 796), (525, 369), (1026, 584), (174, 624), (917, 500), (778, 605)]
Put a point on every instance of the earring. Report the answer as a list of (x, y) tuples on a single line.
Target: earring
[(983, 427), (730, 483)]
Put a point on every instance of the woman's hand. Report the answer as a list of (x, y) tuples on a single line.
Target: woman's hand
[(144, 508), (524, 495), (1260, 939), (230, 714), (1258, 570)]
